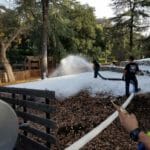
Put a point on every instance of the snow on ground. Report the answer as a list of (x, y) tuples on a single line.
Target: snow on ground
[(144, 59), (74, 80), (144, 68), (69, 85)]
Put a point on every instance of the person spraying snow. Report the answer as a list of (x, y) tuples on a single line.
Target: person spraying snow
[(130, 75), (96, 68)]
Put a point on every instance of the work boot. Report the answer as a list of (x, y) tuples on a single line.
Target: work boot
[(139, 89)]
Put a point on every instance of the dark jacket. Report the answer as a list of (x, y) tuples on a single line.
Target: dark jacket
[(131, 69), (96, 65)]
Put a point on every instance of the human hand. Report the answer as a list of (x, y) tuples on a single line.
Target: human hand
[(128, 121)]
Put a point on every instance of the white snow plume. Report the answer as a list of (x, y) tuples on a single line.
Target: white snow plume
[(72, 64)]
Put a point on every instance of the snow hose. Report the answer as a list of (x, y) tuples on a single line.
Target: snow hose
[(114, 79)]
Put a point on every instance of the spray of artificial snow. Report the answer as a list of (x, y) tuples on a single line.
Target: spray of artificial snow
[(72, 64)]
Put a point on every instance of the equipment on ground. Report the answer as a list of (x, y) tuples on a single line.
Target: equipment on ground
[(8, 127)]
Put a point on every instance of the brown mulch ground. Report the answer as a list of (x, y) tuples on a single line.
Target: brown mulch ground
[(77, 115)]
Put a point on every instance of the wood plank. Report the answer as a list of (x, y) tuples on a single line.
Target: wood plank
[(47, 137), (24, 97), (34, 105), (47, 117), (28, 144), (35, 119), (14, 105), (31, 92)]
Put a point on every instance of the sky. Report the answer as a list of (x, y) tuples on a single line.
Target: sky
[(72, 82), (8, 3), (102, 8)]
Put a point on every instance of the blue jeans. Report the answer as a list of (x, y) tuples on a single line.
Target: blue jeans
[(132, 80)]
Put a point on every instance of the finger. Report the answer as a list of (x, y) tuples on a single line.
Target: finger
[(117, 107), (124, 111), (122, 115), (133, 116)]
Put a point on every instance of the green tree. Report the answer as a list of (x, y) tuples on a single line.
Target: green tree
[(145, 46), (84, 25), (104, 39), (60, 33), (71, 28), (10, 31), (31, 13), (36, 14), (131, 14)]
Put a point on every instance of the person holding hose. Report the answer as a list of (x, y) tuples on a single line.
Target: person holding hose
[(96, 68)]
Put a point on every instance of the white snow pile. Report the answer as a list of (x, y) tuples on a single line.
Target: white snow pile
[(142, 62), (69, 85)]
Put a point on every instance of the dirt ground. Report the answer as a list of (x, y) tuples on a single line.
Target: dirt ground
[(77, 115)]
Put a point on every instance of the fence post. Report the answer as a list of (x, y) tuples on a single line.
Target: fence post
[(13, 96), (25, 110), (47, 101), (5, 77)]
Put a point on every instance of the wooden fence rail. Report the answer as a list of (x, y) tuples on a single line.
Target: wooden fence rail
[(19, 99), (21, 75)]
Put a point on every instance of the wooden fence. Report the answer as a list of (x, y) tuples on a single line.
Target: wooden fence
[(21, 75), (22, 102)]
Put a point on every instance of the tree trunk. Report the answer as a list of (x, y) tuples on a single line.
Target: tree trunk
[(131, 35), (4, 45), (132, 7), (45, 7), (6, 64)]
